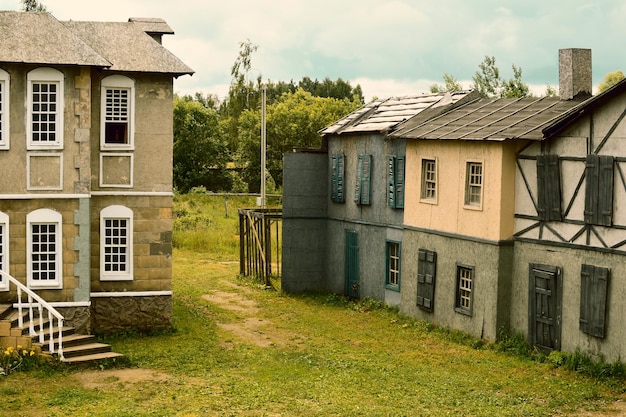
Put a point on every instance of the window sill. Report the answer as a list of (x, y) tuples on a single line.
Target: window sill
[(392, 287), (432, 201), (473, 208), (463, 311)]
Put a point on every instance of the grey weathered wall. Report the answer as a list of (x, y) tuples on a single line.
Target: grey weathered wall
[(112, 314), (491, 298), (305, 196), (612, 347)]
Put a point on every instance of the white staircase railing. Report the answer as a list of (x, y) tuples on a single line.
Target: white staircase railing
[(36, 302)]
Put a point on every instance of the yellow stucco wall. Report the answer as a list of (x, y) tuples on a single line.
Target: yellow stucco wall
[(493, 219)]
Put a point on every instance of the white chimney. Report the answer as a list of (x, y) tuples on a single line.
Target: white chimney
[(574, 73)]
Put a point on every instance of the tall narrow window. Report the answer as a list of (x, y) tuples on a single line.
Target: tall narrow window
[(4, 250), (117, 112), (395, 182), (548, 187), (429, 179), (44, 251), (116, 243), (599, 190), (4, 109), (363, 180), (473, 184), (393, 266), (464, 289), (337, 193), (45, 109)]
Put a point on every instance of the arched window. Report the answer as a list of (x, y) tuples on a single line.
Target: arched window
[(117, 113), (116, 244), (44, 249), (44, 129)]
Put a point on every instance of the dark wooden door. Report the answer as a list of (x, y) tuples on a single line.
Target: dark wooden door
[(545, 307)]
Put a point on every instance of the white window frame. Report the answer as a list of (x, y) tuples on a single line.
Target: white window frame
[(5, 108), (45, 217), (118, 82), (116, 212), (46, 76), (468, 203), (4, 250)]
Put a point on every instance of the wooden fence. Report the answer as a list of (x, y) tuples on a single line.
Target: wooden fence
[(260, 243)]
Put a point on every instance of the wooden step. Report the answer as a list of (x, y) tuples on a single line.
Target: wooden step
[(5, 309), (86, 349), (91, 358), (70, 341)]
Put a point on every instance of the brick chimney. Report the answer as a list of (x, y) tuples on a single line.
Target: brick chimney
[(574, 73)]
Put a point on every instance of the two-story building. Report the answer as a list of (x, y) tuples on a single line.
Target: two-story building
[(86, 137), (512, 215)]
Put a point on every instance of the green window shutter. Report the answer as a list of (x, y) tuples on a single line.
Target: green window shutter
[(548, 187), (426, 269), (391, 181), (366, 180), (599, 190), (357, 183), (594, 284), (363, 180), (337, 186), (400, 182)]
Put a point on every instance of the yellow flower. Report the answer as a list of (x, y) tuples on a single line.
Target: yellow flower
[(24, 352), (19, 347), (32, 352)]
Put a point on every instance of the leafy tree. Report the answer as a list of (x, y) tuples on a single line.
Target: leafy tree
[(450, 85), (293, 121), (550, 91), (488, 83), (200, 153), (33, 6), (610, 80)]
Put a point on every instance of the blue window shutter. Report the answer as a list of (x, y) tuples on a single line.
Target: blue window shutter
[(599, 190), (357, 182)]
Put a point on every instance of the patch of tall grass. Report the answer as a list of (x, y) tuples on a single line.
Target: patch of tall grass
[(209, 224)]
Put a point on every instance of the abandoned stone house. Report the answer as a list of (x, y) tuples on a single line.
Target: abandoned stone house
[(511, 214), (86, 136)]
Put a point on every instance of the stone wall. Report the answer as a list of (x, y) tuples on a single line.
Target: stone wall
[(112, 314)]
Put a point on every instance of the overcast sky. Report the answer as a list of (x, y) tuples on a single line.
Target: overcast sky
[(389, 47)]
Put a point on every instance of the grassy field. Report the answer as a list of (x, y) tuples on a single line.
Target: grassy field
[(238, 349)]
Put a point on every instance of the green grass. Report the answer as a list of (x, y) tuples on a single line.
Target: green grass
[(325, 356)]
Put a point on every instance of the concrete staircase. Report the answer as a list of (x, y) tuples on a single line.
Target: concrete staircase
[(77, 349)]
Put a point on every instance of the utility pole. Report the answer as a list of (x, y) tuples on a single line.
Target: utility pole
[(263, 143)]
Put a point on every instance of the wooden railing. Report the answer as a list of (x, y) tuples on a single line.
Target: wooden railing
[(35, 302)]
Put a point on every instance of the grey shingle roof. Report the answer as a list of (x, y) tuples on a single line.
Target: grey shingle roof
[(39, 38), (128, 47), (489, 120), (380, 116)]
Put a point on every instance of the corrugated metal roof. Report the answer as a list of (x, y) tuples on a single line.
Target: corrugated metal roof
[(382, 115), (128, 47), (39, 38), (488, 119)]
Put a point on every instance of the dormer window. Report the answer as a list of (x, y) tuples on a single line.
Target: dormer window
[(117, 113), (45, 109)]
